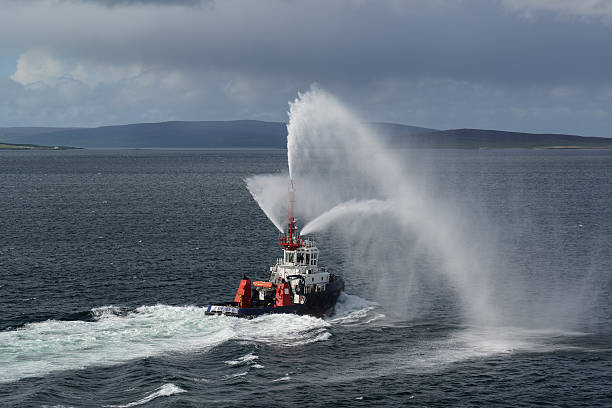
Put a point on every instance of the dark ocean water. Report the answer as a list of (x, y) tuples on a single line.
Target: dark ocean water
[(107, 259)]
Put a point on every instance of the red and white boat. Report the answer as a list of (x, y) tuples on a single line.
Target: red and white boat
[(297, 283)]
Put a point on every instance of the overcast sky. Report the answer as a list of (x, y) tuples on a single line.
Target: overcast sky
[(528, 65)]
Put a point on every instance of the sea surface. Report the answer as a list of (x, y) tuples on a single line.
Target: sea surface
[(109, 257)]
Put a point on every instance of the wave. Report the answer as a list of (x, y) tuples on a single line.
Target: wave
[(236, 375), (164, 391), (249, 358), (287, 377), (352, 309)]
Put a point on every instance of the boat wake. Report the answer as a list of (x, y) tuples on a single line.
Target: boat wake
[(117, 335)]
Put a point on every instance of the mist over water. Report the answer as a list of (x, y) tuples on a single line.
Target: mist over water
[(407, 236)]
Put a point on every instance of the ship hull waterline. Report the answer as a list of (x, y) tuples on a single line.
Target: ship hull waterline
[(317, 304)]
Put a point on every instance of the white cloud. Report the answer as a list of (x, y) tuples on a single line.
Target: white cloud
[(115, 3), (579, 8), (94, 74), (48, 90), (37, 67)]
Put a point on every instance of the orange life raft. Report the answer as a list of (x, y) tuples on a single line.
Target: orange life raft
[(263, 284)]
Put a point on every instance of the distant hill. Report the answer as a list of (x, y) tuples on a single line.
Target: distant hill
[(238, 133), (258, 134), (495, 139), (398, 131), (16, 134)]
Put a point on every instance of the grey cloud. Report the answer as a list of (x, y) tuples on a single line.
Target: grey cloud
[(590, 8), (430, 63), (342, 41), (117, 3)]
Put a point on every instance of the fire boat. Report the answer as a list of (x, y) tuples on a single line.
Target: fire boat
[(297, 284)]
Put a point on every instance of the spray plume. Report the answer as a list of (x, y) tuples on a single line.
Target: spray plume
[(416, 244), (347, 209), (266, 189), (343, 172)]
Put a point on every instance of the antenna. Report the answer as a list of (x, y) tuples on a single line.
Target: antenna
[(291, 239)]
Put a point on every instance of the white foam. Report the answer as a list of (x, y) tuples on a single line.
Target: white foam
[(242, 360), (287, 377), (322, 335), (284, 330), (57, 406), (352, 309), (163, 391), (116, 337), (236, 375), (107, 311)]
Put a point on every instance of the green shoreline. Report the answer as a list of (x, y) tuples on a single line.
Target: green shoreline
[(9, 146)]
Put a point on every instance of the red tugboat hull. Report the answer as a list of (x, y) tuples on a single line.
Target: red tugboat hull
[(317, 304)]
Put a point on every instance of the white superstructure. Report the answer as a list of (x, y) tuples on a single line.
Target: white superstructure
[(300, 267)]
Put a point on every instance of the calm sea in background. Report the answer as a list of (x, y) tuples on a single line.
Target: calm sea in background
[(108, 258)]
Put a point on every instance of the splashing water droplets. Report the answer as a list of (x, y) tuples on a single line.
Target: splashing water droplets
[(346, 178)]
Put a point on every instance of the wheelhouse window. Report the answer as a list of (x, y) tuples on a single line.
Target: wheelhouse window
[(289, 256)]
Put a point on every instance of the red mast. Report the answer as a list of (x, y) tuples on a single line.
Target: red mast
[(290, 239)]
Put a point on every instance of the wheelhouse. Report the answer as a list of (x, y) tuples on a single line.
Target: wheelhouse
[(306, 255)]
